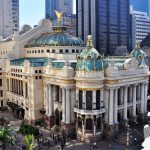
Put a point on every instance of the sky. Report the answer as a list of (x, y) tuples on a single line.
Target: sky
[(31, 11)]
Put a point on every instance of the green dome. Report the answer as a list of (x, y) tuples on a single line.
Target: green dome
[(55, 39), (139, 55), (89, 59)]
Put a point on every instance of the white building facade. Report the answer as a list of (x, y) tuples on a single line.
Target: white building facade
[(50, 76), (140, 26), (9, 17)]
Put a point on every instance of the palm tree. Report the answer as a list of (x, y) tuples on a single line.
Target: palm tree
[(6, 137), (29, 141)]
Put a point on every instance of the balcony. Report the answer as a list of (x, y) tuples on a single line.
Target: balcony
[(89, 112)]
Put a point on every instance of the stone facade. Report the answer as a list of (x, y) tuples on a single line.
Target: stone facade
[(72, 86)]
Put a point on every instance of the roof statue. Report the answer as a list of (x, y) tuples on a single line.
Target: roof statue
[(137, 45), (59, 16), (89, 41)]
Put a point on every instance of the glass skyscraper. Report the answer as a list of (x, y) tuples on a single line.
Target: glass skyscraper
[(106, 20), (141, 5), (65, 6)]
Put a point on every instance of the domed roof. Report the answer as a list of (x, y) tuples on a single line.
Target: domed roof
[(89, 59), (139, 55), (55, 39)]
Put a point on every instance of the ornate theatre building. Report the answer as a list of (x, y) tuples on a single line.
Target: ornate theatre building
[(47, 75)]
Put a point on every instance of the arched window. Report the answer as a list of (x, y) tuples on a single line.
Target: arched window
[(61, 50), (89, 100), (67, 51), (98, 125), (80, 99), (73, 51), (89, 125)]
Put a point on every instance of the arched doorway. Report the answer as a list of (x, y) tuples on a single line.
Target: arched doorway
[(89, 125)]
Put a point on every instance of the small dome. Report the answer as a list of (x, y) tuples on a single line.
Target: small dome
[(139, 55), (89, 59), (55, 39)]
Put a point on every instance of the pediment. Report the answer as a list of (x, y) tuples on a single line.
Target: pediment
[(131, 63)]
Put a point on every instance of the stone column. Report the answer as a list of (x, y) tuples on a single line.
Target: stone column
[(122, 92), (77, 97), (47, 100), (83, 126), (116, 106), (142, 98), (101, 98), (146, 90), (125, 103), (68, 111), (111, 96), (130, 94), (50, 101), (84, 100), (60, 94), (63, 105), (94, 99), (24, 90), (94, 127), (139, 92), (134, 100)]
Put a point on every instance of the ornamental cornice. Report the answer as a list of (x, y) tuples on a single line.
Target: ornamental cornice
[(58, 81), (83, 82)]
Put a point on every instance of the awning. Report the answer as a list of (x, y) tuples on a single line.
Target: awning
[(14, 106)]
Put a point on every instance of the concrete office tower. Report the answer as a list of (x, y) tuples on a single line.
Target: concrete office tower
[(9, 17), (106, 20), (140, 26), (141, 5)]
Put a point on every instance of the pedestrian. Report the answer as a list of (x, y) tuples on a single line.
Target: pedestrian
[(94, 145)]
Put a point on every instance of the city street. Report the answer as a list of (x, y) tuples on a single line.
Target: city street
[(73, 145)]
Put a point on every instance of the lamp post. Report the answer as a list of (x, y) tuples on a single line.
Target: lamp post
[(128, 137)]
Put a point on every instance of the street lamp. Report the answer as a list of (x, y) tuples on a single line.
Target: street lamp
[(128, 137)]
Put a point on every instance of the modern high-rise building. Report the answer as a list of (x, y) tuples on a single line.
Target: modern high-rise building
[(65, 6), (9, 17), (140, 26), (141, 5), (106, 20)]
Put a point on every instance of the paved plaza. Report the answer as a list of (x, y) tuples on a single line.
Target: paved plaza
[(72, 145)]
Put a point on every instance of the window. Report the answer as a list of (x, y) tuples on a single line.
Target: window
[(1, 93), (36, 71), (77, 51), (35, 51), (40, 71), (66, 50), (36, 78), (80, 99), (53, 50), (73, 51), (98, 99), (48, 51), (40, 77), (0, 82), (88, 100), (42, 51), (38, 51), (61, 51)]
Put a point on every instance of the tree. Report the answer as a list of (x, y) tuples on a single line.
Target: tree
[(29, 141), (6, 137)]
